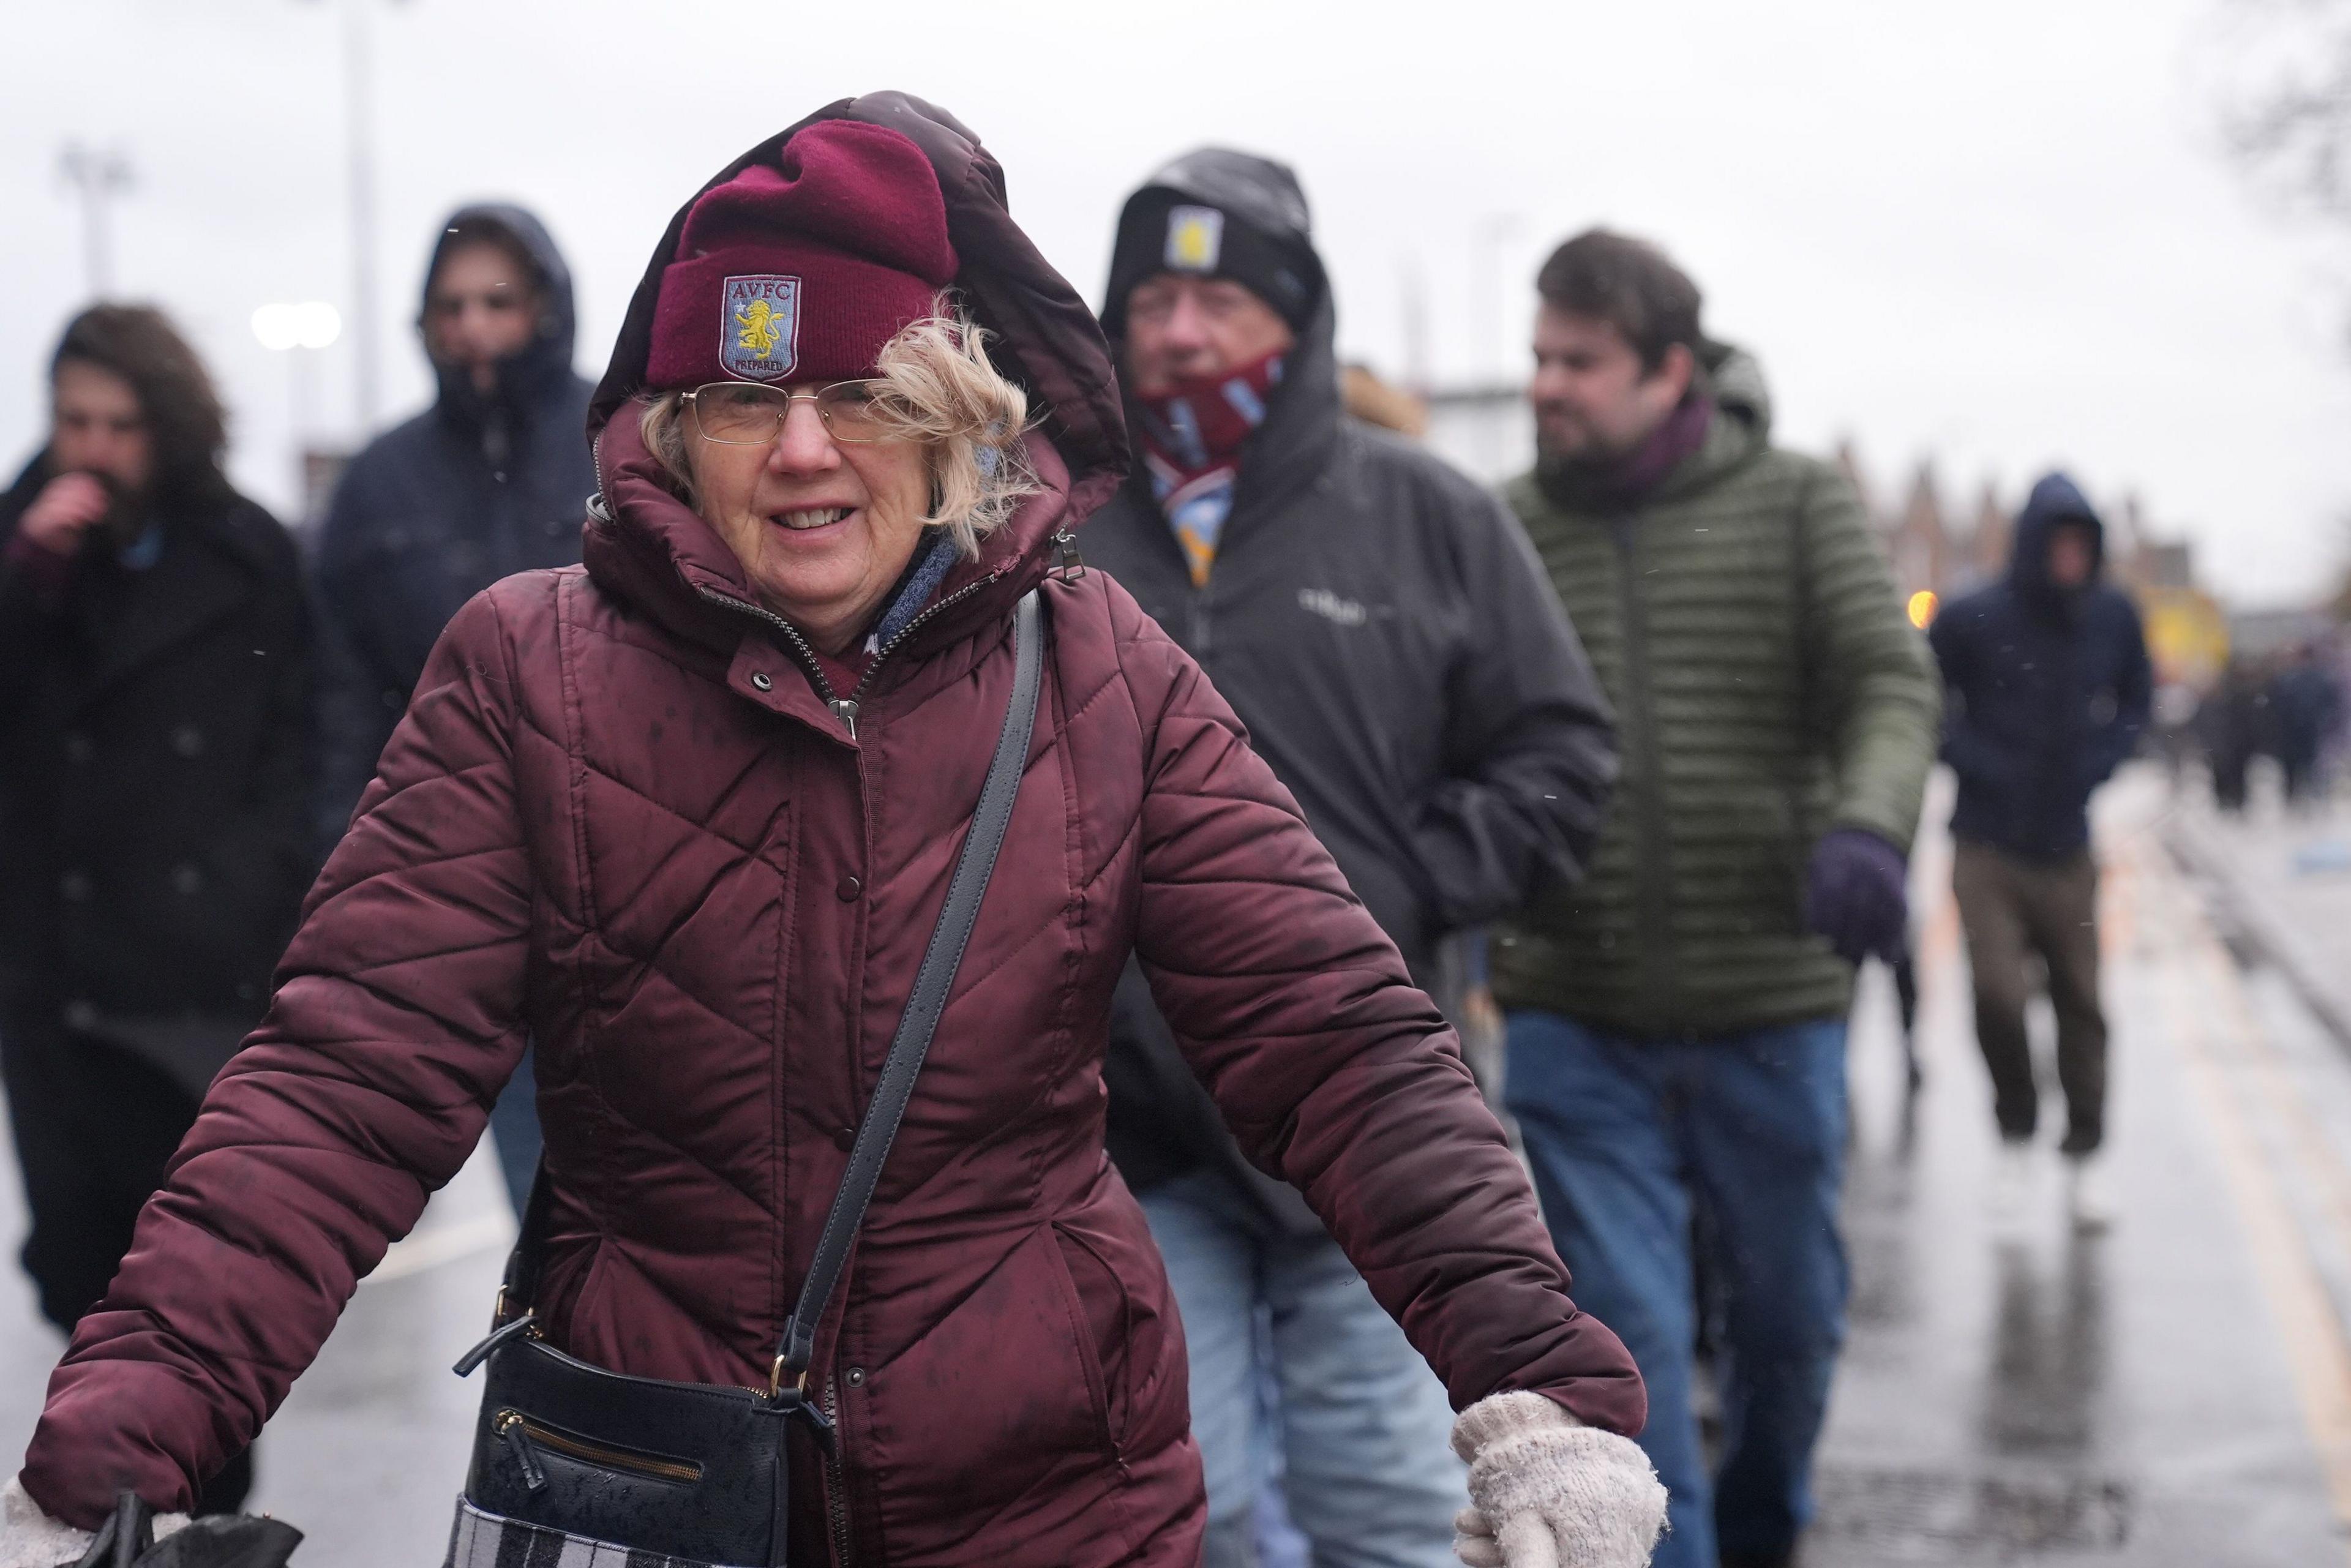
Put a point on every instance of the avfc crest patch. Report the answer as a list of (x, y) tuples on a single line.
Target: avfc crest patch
[(759, 326), (1196, 239)]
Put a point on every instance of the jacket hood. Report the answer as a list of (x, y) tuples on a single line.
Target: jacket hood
[(1741, 394), (1301, 431), (1741, 427), (525, 377), (2055, 499), (643, 543)]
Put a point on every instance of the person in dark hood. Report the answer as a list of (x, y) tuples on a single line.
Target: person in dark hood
[(491, 480), (154, 846), (2049, 688), (1383, 628)]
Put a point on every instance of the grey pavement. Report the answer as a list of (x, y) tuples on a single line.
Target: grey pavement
[(2176, 1392), (2280, 882)]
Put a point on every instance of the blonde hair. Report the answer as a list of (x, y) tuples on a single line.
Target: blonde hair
[(934, 385)]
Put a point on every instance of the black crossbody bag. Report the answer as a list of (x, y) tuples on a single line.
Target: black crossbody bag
[(693, 1473)]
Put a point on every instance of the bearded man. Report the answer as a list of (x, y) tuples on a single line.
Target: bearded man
[(155, 848), (1677, 1020)]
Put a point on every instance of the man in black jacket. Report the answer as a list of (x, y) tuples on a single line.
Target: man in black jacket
[(2049, 688), (1382, 626), (492, 480), (154, 844)]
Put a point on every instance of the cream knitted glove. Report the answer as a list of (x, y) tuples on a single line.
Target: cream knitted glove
[(1548, 1491), (31, 1539)]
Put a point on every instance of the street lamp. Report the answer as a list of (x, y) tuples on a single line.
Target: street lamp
[(359, 109), (312, 324), (297, 330), (96, 174)]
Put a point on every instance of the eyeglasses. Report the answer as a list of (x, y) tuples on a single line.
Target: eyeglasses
[(746, 413)]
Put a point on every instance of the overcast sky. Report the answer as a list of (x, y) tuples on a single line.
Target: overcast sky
[(1998, 234)]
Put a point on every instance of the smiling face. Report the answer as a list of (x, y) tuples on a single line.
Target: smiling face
[(823, 528)]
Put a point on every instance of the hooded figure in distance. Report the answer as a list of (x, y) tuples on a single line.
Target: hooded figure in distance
[(2049, 688), (491, 480)]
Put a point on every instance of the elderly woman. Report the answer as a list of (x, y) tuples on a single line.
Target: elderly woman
[(685, 818)]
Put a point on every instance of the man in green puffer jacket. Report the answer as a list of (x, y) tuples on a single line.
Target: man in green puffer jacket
[(1677, 1018)]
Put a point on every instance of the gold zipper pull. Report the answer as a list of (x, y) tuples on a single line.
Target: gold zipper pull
[(510, 1427)]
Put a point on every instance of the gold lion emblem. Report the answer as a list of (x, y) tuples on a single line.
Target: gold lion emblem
[(762, 329)]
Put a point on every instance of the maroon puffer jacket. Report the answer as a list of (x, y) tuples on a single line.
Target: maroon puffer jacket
[(616, 819)]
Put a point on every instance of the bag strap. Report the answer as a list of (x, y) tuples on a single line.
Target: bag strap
[(974, 868), (928, 1000)]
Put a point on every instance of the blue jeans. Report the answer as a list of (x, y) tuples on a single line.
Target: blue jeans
[(1362, 1423), (514, 1129), (1632, 1143)]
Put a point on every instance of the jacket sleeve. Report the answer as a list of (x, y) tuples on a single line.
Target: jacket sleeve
[(1973, 755), (1873, 685), (2114, 742), (397, 1017), (30, 583), (1529, 744), (1332, 1071), (353, 720)]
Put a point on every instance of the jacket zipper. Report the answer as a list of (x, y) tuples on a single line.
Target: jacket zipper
[(836, 1504), (846, 708), (524, 1435), (1655, 931)]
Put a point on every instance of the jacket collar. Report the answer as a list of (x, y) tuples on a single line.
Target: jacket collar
[(206, 573)]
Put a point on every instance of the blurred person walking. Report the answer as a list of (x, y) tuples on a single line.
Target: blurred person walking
[(2307, 705), (1677, 1021), (2230, 725), (1383, 629), (491, 480), (2050, 688), (154, 725)]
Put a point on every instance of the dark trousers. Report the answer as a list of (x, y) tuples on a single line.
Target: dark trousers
[(94, 1127), (2015, 911)]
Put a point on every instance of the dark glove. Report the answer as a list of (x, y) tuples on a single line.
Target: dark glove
[(1859, 896), (127, 1540)]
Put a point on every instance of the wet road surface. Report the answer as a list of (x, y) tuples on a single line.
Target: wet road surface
[(2171, 1392), (2176, 1392)]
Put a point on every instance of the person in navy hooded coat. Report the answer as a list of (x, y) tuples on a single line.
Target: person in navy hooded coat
[(2048, 689), (491, 480)]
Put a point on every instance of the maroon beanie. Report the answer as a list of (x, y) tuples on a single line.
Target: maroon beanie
[(801, 270)]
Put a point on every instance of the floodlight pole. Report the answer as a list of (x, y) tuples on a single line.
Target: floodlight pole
[(97, 175), (359, 137), (359, 100)]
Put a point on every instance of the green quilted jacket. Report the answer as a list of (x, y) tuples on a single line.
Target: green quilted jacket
[(1768, 687)]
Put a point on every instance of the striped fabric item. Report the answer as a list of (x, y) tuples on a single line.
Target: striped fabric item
[(485, 1541)]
